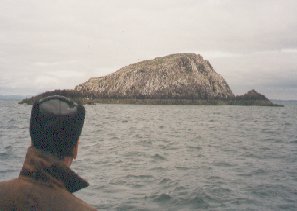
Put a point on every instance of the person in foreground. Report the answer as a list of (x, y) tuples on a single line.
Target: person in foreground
[(46, 181)]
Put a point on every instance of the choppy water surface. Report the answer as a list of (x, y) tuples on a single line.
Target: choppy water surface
[(175, 157)]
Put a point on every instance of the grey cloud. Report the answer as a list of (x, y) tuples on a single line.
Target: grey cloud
[(46, 40), (265, 71)]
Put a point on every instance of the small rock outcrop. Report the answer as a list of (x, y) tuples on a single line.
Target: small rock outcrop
[(178, 76), (252, 97)]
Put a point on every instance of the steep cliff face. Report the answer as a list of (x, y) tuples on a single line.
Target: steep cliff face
[(174, 76)]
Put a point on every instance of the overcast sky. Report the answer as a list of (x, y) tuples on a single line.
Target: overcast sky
[(57, 44)]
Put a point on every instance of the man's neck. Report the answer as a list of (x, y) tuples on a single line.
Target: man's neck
[(68, 161)]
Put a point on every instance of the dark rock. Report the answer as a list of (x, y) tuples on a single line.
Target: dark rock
[(252, 97)]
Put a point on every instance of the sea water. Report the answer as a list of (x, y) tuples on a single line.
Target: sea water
[(174, 157)]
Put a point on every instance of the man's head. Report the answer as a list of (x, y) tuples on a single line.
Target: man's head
[(56, 124)]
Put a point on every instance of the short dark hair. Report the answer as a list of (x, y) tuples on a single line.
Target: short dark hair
[(56, 124)]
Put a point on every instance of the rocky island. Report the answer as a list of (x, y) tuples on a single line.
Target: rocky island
[(174, 79)]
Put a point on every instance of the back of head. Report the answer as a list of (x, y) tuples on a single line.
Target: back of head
[(56, 124)]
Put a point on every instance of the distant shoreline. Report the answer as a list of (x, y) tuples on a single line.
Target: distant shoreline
[(13, 97)]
